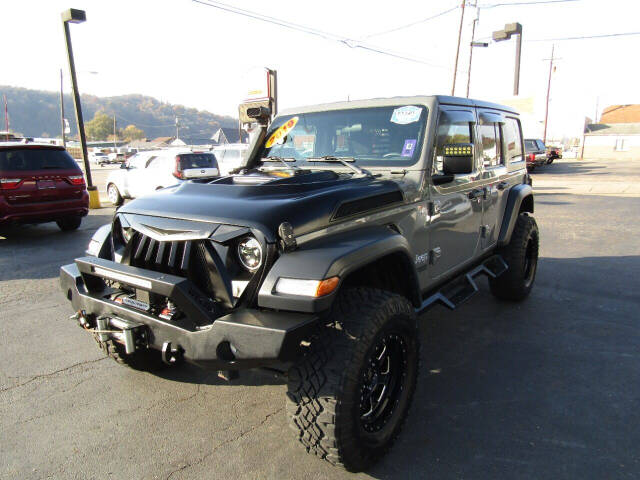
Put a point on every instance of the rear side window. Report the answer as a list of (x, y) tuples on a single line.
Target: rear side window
[(197, 160), (512, 140), (36, 159)]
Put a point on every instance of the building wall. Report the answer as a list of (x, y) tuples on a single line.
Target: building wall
[(604, 146)]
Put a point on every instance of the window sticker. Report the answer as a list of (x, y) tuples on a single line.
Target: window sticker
[(409, 147), (281, 132), (406, 115)]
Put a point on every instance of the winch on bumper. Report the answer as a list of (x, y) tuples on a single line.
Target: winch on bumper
[(244, 338)]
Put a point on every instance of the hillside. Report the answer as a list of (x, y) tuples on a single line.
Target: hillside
[(36, 113)]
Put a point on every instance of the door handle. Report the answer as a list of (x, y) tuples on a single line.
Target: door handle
[(502, 185)]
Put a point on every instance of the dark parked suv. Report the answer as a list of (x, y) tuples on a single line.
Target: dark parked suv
[(41, 183)]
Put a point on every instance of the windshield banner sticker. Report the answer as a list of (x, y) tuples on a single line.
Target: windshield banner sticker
[(281, 132), (405, 115), (409, 147)]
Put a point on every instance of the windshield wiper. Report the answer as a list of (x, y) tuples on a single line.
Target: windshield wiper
[(285, 162), (344, 161)]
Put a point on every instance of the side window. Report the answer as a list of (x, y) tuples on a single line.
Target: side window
[(490, 144), (450, 132), (512, 140)]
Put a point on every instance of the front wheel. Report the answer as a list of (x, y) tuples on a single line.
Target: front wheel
[(349, 396), (521, 255)]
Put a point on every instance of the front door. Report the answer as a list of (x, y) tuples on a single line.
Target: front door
[(455, 210)]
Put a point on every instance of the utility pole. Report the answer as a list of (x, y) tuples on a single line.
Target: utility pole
[(64, 141), (177, 127), (455, 68), (114, 133), (6, 116), (473, 35), (546, 110)]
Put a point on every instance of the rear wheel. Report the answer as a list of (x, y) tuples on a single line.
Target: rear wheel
[(114, 195), (521, 255), (69, 224), (349, 396)]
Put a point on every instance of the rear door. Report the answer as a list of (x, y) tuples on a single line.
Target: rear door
[(39, 174)]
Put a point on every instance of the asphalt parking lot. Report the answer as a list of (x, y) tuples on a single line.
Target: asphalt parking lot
[(549, 388)]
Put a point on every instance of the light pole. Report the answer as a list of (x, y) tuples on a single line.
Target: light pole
[(500, 35), (64, 141), (73, 15)]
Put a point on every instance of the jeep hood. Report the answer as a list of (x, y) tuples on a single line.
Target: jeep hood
[(307, 201)]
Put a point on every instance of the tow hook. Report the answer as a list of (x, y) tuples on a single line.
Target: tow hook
[(81, 317), (171, 355)]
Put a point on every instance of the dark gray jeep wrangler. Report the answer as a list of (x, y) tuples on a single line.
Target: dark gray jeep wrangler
[(317, 257)]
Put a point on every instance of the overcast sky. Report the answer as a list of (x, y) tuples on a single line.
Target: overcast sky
[(188, 53)]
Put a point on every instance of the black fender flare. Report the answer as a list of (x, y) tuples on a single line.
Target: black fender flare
[(334, 255), (520, 199), (100, 243)]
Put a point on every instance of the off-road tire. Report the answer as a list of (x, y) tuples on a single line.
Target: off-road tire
[(148, 360), (324, 389), (114, 195), (521, 255), (69, 224)]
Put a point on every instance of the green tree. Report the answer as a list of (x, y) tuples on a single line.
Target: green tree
[(100, 127), (131, 132)]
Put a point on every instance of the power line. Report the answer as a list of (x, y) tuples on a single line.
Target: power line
[(402, 27), (349, 42), (537, 2), (586, 37)]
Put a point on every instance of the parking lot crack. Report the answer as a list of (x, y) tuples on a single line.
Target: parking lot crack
[(225, 443), (50, 374)]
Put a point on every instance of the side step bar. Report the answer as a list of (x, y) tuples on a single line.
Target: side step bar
[(460, 289)]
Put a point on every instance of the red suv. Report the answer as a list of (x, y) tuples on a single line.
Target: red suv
[(41, 183)]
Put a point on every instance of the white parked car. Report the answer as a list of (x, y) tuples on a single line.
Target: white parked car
[(98, 158), (230, 156), (146, 172)]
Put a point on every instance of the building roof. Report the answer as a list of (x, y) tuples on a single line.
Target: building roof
[(228, 135), (162, 140), (621, 114), (613, 129)]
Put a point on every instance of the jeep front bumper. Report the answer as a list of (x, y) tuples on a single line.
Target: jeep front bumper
[(244, 338)]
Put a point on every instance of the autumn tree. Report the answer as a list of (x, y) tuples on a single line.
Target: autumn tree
[(131, 132), (100, 127)]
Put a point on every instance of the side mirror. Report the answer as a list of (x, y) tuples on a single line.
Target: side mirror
[(124, 166), (457, 158)]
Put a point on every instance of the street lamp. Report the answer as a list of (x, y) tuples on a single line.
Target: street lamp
[(500, 35), (73, 15)]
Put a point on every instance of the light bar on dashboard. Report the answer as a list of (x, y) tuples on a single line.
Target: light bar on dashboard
[(458, 150), (121, 277)]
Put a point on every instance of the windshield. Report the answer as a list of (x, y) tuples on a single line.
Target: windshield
[(371, 136), (36, 159)]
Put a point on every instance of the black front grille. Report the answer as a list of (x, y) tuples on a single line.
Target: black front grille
[(165, 257)]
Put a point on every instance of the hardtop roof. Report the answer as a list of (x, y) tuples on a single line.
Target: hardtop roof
[(430, 100)]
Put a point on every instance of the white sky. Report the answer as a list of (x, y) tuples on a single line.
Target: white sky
[(198, 56)]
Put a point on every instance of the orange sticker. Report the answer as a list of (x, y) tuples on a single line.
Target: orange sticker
[(281, 132)]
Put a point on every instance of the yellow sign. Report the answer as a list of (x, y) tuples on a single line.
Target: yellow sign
[(281, 132)]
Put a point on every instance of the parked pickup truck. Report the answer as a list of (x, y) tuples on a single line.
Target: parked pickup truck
[(316, 259)]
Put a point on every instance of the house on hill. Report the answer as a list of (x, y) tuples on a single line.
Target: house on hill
[(612, 140), (226, 135), (620, 114)]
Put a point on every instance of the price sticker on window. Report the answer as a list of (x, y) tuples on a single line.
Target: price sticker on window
[(281, 132)]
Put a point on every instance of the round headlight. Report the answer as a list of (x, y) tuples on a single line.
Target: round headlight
[(250, 253)]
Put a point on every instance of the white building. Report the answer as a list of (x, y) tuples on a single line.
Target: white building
[(615, 140)]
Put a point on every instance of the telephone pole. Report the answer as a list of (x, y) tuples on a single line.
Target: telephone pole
[(546, 110), (64, 141), (455, 68), (177, 127)]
